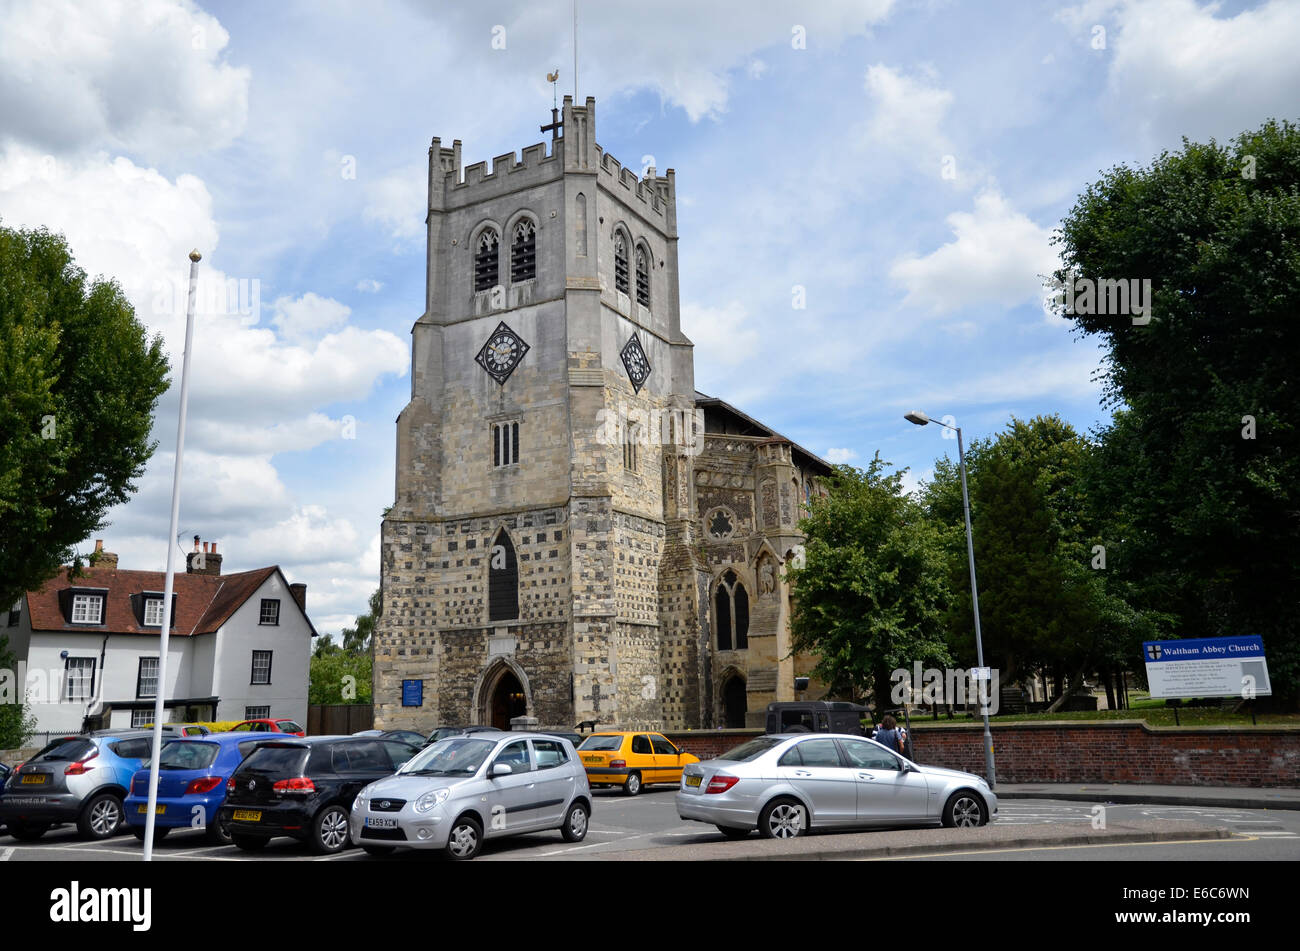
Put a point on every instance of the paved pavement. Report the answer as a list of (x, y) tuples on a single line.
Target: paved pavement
[(1229, 796)]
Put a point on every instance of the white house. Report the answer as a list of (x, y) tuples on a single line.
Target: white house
[(87, 647)]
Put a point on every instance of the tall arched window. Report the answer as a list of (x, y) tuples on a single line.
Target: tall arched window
[(581, 224), (731, 612), (631, 435), (642, 276), (620, 262), (523, 252), (486, 260), (503, 580)]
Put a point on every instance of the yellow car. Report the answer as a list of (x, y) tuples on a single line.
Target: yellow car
[(632, 760)]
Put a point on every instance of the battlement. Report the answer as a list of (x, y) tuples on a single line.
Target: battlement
[(653, 191), (449, 162)]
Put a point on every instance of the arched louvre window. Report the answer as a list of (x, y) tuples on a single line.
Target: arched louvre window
[(523, 252), (642, 276), (630, 436), (731, 611), (503, 580), (486, 260), (620, 262), (505, 444)]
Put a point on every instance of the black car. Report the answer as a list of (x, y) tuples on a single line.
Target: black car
[(303, 788), (4, 777)]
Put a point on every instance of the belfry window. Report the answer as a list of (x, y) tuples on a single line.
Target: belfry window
[(731, 613), (503, 580), (620, 262), (523, 252), (642, 277), (505, 444), (630, 436), (486, 260)]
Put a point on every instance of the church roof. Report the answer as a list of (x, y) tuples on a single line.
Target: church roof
[(745, 425)]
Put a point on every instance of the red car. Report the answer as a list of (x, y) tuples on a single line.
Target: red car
[(270, 726)]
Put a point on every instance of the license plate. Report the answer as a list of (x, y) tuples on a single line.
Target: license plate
[(33, 779), (247, 815), (591, 759), (380, 823), (693, 780), (157, 811)]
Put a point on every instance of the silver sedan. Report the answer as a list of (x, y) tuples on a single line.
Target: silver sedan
[(785, 784)]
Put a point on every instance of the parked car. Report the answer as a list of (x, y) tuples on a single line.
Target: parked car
[(81, 779), (815, 716), (180, 729), (4, 778), (406, 736), (465, 789), (192, 774), (302, 788), (783, 785), (632, 760), (442, 732), (270, 726)]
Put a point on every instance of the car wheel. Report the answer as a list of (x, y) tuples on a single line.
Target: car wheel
[(101, 818), (575, 823), (330, 831), (249, 843), (218, 833), (783, 819), (378, 851), (964, 810), (28, 831), (465, 839), (731, 832), (158, 832), (632, 785)]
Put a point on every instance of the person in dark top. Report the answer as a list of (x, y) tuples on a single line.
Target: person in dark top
[(889, 735)]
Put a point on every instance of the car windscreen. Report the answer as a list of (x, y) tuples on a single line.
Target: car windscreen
[(65, 752), (188, 755), (277, 760), (288, 726), (454, 756), (751, 750), (601, 743)]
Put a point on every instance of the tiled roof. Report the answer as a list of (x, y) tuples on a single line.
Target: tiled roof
[(203, 602)]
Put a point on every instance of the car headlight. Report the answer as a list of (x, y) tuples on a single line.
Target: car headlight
[(361, 799), (431, 799)]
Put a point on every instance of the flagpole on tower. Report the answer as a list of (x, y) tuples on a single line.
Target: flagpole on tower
[(575, 52)]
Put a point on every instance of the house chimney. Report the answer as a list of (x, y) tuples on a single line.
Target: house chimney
[(299, 592), (205, 561), (104, 559)]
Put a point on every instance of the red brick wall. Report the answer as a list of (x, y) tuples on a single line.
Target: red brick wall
[(1109, 752)]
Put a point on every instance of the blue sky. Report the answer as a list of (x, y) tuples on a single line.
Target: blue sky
[(903, 164)]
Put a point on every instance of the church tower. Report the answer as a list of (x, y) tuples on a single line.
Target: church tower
[(538, 543)]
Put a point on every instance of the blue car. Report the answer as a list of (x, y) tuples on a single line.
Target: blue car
[(192, 774)]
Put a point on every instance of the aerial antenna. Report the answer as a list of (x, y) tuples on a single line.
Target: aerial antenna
[(575, 52)]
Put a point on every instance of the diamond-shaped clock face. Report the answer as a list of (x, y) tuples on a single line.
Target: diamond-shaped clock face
[(636, 363), (502, 353)]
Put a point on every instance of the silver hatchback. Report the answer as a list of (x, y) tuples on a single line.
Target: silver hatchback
[(784, 785), (462, 790)]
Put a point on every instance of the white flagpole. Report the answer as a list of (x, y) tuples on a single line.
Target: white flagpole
[(161, 688)]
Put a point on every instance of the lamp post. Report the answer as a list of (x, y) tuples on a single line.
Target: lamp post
[(920, 419)]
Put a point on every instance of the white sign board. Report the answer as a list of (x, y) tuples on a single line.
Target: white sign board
[(1207, 667)]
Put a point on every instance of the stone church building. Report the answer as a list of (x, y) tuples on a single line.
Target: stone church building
[(578, 534)]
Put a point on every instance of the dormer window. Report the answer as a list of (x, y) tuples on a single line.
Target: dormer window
[(642, 276), (486, 260), (523, 252), (153, 612), (87, 609)]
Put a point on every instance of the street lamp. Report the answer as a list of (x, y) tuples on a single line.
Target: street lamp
[(920, 419)]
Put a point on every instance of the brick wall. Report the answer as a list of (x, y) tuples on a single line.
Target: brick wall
[(1115, 752)]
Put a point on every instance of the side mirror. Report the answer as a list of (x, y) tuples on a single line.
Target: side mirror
[(501, 769)]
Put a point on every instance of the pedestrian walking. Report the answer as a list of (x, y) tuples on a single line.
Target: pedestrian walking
[(889, 735)]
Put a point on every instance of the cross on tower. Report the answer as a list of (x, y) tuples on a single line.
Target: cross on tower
[(555, 124)]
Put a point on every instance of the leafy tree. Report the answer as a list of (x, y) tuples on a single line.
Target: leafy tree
[(358, 639), (338, 676), (79, 380), (872, 593), (1202, 458)]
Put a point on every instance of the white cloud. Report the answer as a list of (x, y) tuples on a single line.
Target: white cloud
[(840, 455), (726, 334), (398, 201), (909, 112), (368, 285), (307, 317), (139, 75), (756, 68), (996, 257)]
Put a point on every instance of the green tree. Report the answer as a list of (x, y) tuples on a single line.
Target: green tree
[(359, 638), (872, 593), (79, 380), (1202, 457), (338, 676)]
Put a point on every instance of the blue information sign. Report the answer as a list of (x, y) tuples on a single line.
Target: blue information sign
[(1207, 667), (412, 693)]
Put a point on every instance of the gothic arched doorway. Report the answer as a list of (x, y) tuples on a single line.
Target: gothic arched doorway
[(506, 701), (734, 704)]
